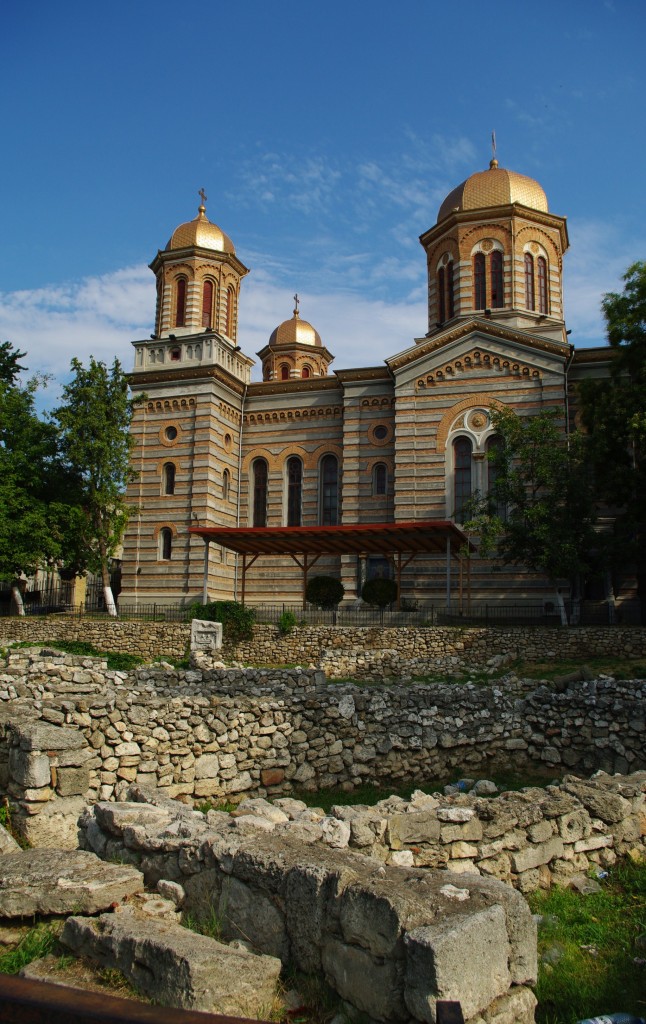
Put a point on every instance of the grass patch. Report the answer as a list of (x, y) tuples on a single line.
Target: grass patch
[(37, 943), (620, 668), (210, 924), (117, 662), (594, 938), (204, 806), (7, 823)]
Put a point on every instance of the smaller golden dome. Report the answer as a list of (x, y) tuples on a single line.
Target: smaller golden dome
[(295, 332), (495, 187), (202, 233)]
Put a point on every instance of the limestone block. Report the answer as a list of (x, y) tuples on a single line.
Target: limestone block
[(249, 915), (533, 856), (7, 842), (403, 829), (470, 831), (207, 766), (29, 769), (593, 842), (175, 966), (517, 1007), (72, 781), (462, 957), (540, 832), (374, 987), (36, 736), (205, 636), (574, 826), (62, 882), (54, 826), (609, 807)]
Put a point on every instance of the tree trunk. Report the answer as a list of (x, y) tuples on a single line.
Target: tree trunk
[(17, 604), (107, 587), (561, 607)]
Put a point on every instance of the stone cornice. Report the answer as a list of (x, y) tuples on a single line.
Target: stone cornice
[(363, 373), (497, 213), (603, 354), (290, 387), (198, 373), (193, 251)]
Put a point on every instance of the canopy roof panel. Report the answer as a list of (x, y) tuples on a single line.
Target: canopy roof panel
[(360, 538)]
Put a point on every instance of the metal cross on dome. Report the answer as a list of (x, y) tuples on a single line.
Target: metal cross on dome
[(203, 196), (296, 301)]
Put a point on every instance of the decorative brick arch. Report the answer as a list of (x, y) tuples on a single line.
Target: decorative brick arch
[(327, 449), (447, 244), (478, 233), (484, 400), (273, 461), (538, 235)]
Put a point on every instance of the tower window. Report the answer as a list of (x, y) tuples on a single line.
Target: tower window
[(168, 478), (294, 490), (479, 281), (165, 544), (450, 304), (441, 298), (230, 310), (543, 304), (306, 372), (530, 301), (497, 284), (226, 484), (329, 490), (207, 304), (462, 455), (284, 371), (260, 492), (380, 478), (180, 307)]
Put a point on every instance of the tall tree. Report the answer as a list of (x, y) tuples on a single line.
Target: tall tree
[(539, 512), (31, 482), (614, 413), (95, 444)]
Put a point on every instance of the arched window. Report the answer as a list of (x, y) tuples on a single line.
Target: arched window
[(497, 283), (294, 490), (329, 490), (207, 304), (530, 300), (180, 305), (380, 478), (168, 478), (231, 298), (441, 298), (260, 492), (284, 371), (450, 302), (462, 456), (479, 282), (306, 372), (165, 543), (543, 304), (494, 450), (226, 484)]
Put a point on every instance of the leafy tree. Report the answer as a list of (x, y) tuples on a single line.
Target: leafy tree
[(614, 413), (324, 591), (379, 591), (540, 511), (32, 482), (95, 445)]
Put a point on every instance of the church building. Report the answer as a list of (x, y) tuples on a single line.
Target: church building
[(405, 441)]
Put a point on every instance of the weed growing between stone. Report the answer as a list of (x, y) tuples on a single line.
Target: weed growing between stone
[(117, 662), (590, 948), (40, 941)]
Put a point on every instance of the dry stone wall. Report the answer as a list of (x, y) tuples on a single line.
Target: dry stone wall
[(72, 731), (343, 651)]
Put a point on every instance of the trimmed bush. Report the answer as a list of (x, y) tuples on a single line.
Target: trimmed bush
[(324, 591), (237, 621), (286, 623), (379, 591)]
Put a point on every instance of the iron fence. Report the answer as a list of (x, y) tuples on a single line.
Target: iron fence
[(418, 615)]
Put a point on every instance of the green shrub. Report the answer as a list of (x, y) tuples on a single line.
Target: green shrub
[(286, 623), (379, 591), (324, 591), (237, 621)]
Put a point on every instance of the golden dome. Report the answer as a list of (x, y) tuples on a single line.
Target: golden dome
[(295, 332), (495, 187), (200, 232)]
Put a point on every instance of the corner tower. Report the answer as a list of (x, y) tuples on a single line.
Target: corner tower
[(294, 351), (497, 252)]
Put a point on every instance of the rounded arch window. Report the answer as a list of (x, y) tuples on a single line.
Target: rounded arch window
[(208, 291), (168, 478), (294, 490), (462, 471), (259, 473), (379, 479), (180, 302), (226, 484), (445, 289), (329, 490), (306, 372), (230, 314), (165, 543), (284, 371)]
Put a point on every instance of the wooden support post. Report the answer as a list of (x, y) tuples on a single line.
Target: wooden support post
[(205, 579), (304, 580), (399, 579), (244, 575)]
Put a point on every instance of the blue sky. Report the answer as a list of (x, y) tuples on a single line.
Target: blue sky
[(325, 135)]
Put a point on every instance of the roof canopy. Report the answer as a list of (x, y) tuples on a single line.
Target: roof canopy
[(306, 544)]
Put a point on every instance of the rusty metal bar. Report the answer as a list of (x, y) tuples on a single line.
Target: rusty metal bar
[(23, 1001)]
